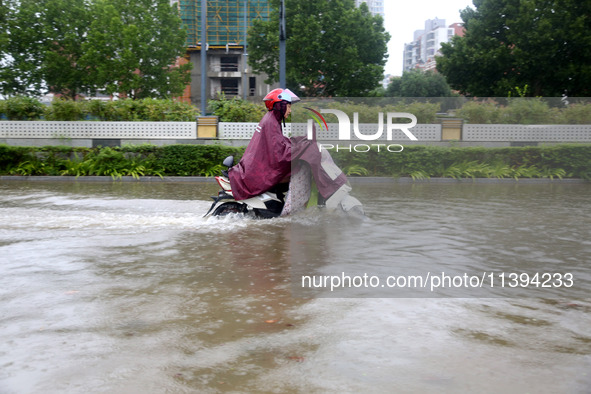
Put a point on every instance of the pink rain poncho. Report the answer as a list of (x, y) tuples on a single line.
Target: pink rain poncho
[(266, 161)]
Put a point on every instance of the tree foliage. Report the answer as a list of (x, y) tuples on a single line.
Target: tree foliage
[(21, 36), (417, 83), (71, 47), (131, 46), (65, 26), (521, 47), (333, 47)]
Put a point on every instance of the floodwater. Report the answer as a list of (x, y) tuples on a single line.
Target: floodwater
[(124, 288)]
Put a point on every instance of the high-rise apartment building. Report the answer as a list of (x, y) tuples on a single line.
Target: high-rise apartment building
[(376, 7), (421, 52)]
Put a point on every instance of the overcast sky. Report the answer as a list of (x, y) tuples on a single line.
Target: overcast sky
[(403, 17)]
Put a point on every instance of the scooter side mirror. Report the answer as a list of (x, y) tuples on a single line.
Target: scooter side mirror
[(228, 161)]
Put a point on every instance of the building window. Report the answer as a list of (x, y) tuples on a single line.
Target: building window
[(229, 63), (229, 86), (252, 86)]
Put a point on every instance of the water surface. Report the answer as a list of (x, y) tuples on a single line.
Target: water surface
[(123, 287)]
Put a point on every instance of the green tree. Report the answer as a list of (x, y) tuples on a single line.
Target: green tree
[(4, 38), (521, 47), (41, 46), (65, 33), (85, 46), (333, 47), (417, 83), (21, 50), (131, 46)]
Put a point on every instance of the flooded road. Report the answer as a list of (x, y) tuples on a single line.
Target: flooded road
[(124, 288)]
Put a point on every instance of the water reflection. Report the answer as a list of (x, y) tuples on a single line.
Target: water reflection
[(500, 236), (125, 288)]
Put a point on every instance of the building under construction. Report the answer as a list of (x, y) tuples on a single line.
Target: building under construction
[(225, 46)]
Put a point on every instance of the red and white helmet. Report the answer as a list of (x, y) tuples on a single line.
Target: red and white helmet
[(277, 95)]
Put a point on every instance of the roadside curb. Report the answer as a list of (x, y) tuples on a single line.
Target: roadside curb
[(95, 178), (361, 180), (353, 180)]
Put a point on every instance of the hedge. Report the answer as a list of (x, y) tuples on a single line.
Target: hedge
[(561, 161), (172, 160), (427, 110), (153, 110), (566, 160)]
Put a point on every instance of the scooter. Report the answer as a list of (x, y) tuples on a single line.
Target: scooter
[(266, 205), (270, 203)]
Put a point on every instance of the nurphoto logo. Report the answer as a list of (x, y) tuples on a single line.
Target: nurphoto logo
[(344, 132)]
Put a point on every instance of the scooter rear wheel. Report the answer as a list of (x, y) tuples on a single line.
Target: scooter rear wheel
[(228, 208)]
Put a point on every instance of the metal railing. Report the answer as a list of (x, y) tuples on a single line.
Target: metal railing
[(227, 91), (224, 67)]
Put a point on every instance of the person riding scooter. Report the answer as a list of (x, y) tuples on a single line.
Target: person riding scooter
[(267, 162)]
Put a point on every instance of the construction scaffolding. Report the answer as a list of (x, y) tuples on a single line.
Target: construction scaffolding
[(225, 20)]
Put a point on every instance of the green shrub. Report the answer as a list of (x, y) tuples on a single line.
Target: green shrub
[(65, 110), (154, 110), (524, 111), (178, 111), (527, 111), (418, 162), (236, 110), (479, 113), (97, 109), (187, 160), (568, 160), (576, 114), (12, 156), (425, 112), (22, 108)]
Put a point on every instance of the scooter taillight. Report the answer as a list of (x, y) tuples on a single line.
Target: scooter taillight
[(224, 183)]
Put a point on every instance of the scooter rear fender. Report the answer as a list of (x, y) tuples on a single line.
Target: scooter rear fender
[(259, 201)]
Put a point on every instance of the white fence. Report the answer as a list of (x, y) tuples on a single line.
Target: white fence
[(423, 132), (526, 133), (244, 131), (90, 130), (432, 132)]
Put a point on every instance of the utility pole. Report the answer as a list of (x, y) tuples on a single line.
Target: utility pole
[(203, 57), (282, 38), (244, 58)]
